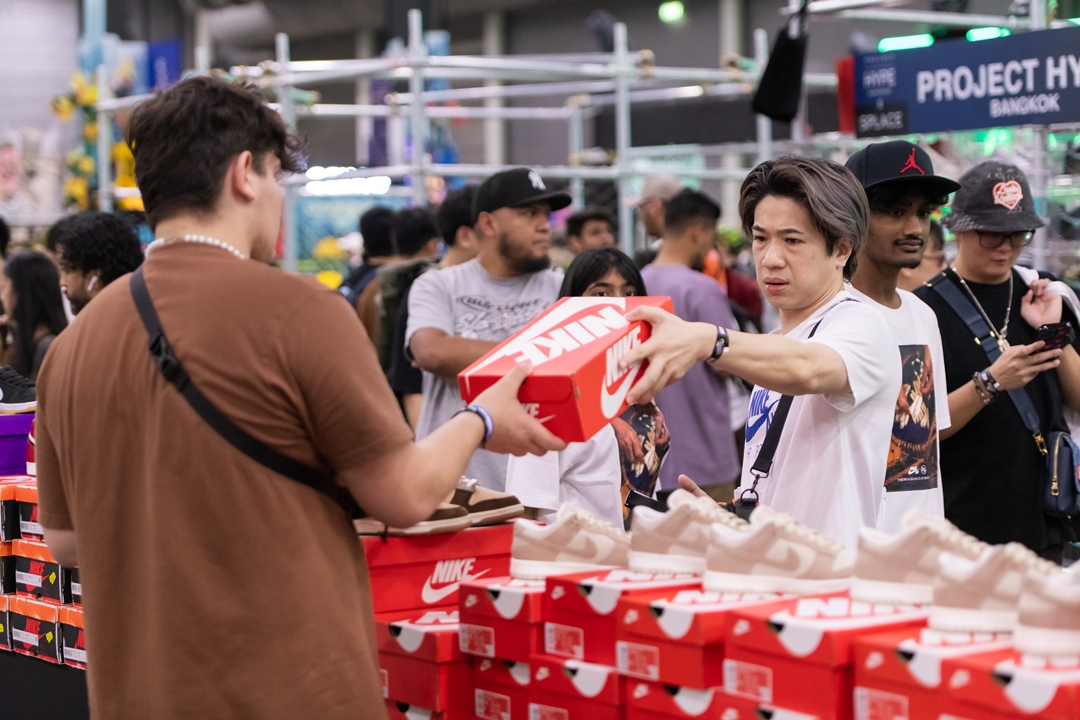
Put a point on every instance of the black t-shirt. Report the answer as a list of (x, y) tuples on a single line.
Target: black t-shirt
[(991, 470), (404, 378)]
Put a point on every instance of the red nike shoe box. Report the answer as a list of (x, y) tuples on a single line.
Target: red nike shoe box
[(403, 711), (501, 618), (899, 674), (798, 654), (430, 635), (565, 689), (1010, 683), (580, 609), (29, 527), (35, 629), (501, 689), (73, 637), (419, 660), (5, 626), (575, 386), (424, 571), (647, 700), (9, 506), (488, 637), (37, 574), (678, 638)]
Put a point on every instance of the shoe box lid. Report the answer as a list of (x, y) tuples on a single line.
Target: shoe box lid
[(574, 346), (423, 634), (1012, 683), (71, 616), (599, 592), (649, 699), (915, 657), (817, 628), (505, 598), (502, 672), (576, 679), (34, 609), (423, 571), (692, 616), (9, 486), (7, 549), (26, 491), (33, 550), (403, 711)]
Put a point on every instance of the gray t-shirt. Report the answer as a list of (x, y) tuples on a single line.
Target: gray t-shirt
[(466, 301)]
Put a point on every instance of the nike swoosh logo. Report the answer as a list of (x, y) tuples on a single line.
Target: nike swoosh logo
[(764, 419), (544, 419), (611, 403), (431, 596)]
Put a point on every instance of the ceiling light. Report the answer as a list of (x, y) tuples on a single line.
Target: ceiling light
[(905, 42), (987, 33), (671, 12)]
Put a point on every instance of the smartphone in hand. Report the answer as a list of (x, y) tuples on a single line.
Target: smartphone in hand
[(1056, 335)]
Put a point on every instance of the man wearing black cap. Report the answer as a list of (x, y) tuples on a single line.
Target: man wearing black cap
[(459, 313), (903, 191), (991, 465)]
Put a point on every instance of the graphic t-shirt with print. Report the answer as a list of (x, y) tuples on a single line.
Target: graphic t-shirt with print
[(913, 476), (467, 301), (828, 468)]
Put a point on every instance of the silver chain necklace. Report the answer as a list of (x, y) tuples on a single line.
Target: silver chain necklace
[(198, 239), (1001, 339)]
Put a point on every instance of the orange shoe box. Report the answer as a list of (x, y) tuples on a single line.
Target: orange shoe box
[(9, 506), (26, 495), (37, 574), (899, 674), (678, 638), (425, 571), (419, 660), (565, 689), (580, 610), (404, 711), (5, 626), (646, 700), (575, 386), (35, 629), (799, 654), (501, 689), (73, 637), (501, 618), (1009, 683)]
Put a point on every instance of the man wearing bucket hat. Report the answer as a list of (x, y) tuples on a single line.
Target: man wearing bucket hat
[(989, 311)]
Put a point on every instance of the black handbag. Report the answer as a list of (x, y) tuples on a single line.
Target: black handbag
[(780, 89), (1061, 492)]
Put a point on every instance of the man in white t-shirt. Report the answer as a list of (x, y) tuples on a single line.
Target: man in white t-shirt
[(808, 218), (902, 191)]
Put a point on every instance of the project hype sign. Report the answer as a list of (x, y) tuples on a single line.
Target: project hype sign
[(1029, 78)]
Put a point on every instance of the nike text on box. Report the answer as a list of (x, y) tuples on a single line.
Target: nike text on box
[(403, 711), (678, 638), (1009, 683), (908, 664), (806, 645), (648, 700), (35, 629), (586, 603), (425, 571), (576, 387), (37, 574)]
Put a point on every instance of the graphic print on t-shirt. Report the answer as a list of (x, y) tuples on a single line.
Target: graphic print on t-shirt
[(485, 320), (913, 449), (643, 440)]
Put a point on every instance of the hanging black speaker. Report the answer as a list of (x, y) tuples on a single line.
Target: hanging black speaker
[(780, 88)]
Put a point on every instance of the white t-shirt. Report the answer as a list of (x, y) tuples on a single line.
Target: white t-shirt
[(828, 468), (913, 476), (586, 475)]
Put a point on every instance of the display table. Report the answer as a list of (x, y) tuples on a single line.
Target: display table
[(32, 689)]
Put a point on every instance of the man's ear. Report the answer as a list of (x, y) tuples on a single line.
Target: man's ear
[(842, 250), (239, 178), (485, 224)]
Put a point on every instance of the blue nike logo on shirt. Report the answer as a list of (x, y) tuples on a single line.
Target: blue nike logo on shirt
[(764, 418)]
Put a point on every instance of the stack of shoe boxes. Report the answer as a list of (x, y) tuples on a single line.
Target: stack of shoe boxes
[(35, 629), (420, 665), (501, 627)]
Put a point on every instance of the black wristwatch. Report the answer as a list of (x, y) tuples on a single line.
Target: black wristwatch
[(722, 342)]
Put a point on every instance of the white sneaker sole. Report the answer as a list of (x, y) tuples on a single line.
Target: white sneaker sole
[(883, 592), (498, 515), (735, 582), (971, 620), (646, 562), (370, 526), (543, 569), (1046, 641), (17, 408)]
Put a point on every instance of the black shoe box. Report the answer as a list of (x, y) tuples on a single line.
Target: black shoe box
[(37, 574), (71, 587), (73, 637), (5, 626), (35, 629)]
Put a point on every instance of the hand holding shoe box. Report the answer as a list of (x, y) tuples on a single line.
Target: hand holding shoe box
[(575, 387)]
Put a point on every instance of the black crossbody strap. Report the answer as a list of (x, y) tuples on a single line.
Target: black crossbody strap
[(258, 451)]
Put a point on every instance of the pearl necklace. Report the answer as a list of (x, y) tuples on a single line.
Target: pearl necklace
[(201, 239)]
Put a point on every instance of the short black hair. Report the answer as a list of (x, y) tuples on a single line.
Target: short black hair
[(593, 265), (54, 238), (413, 229), (455, 212), (937, 236), (184, 138), (377, 230), (890, 196), (688, 208), (575, 224), (5, 238), (103, 242)]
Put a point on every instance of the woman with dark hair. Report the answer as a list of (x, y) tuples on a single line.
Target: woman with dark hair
[(599, 474), (30, 291)]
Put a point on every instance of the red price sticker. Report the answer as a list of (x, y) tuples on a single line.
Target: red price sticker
[(564, 640), (879, 705), (492, 706), (476, 640), (546, 712), (641, 661), (748, 680)]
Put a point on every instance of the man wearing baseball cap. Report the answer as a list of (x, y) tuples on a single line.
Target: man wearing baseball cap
[(991, 465), (458, 313), (902, 191)]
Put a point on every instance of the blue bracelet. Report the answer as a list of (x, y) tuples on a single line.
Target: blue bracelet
[(489, 424)]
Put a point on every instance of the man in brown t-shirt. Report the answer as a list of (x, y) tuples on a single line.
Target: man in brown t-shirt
[(214, 587)]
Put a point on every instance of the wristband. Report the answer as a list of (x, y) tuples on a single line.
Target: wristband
[(489, 424), (721, 345), (980, 389), (992, 385)]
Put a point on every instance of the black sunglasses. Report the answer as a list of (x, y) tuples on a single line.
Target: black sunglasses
[(993, 240)]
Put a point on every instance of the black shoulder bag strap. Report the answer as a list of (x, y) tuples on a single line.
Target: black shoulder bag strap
[(987, 338), (258, 451)]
